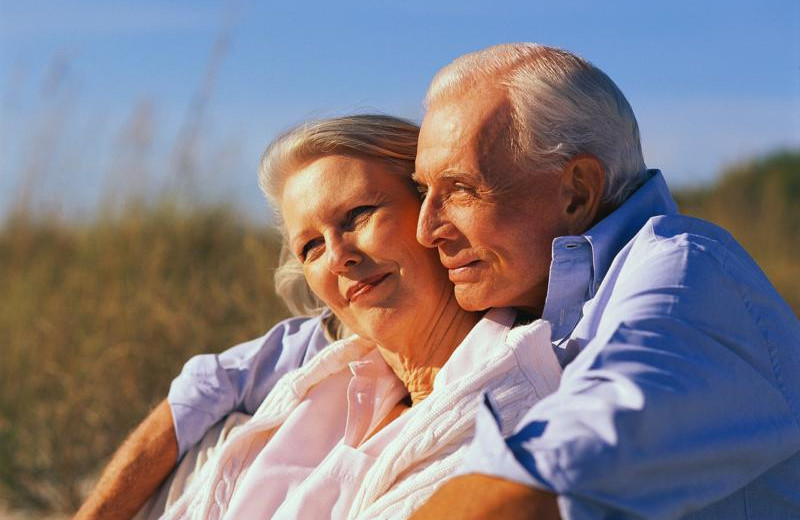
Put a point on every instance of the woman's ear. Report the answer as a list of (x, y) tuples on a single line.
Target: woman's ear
[(583, 182)]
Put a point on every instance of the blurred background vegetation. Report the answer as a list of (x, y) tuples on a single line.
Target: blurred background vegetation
[(96, 319)]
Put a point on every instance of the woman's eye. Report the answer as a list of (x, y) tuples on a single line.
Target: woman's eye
[(310, 249), (357, 215)]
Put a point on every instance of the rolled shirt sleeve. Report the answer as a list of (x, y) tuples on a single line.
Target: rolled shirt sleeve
[(211, 386), (684, 392)]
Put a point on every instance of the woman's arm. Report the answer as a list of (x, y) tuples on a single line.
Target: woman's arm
[(136, 470)]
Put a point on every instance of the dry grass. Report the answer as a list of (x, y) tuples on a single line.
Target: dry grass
[(96, 319)]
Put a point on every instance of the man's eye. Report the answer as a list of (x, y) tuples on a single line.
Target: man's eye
[(460, 186)]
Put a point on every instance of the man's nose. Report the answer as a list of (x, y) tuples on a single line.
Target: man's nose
[(342, 254), (433, 227)]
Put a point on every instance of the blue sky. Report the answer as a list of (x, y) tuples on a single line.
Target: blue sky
[(711, 82)]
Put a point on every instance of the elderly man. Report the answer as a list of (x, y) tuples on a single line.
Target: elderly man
[(679, 395)]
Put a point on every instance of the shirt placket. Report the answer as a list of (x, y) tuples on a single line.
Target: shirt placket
[(567, 291)]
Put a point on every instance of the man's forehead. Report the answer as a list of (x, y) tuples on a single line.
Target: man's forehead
[(464, 114), (458, 135)]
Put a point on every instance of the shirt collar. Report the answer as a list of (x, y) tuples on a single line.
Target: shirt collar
[(611, 234), (579, 263), (478, 346), (373, 390)]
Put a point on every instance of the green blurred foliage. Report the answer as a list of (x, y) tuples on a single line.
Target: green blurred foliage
[(97, 318)]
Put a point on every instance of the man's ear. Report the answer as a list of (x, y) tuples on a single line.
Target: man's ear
[(583, 184)]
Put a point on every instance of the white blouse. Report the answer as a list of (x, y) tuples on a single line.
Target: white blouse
[(315, 462), (303, 454)]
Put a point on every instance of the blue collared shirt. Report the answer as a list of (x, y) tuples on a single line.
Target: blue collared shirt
[(681, 392), (681, 397)]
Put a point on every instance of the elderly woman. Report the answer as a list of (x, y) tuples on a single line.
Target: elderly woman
[(377, 421)]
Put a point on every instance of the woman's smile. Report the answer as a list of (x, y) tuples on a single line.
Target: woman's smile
[(364, 291)]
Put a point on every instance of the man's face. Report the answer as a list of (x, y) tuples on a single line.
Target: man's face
[(492, 222)]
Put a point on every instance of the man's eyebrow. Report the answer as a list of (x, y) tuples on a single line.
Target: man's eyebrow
[(452, 174), (449, 174)]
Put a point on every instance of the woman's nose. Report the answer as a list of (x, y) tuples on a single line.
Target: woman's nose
[(342, 255)]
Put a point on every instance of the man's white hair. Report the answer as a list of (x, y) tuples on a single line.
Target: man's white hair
[(561, 106)]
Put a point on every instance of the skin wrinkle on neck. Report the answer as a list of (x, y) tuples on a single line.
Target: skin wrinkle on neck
[(418, 361)]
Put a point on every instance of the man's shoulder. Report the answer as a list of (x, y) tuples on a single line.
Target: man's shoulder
[(693, 243), (683, 230), (689, 260)]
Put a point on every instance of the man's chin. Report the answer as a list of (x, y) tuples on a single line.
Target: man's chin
[(471, 297)]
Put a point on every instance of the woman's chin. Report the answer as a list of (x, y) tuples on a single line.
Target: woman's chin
[(381, 324)]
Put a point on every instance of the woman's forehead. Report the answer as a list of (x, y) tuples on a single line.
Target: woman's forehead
[(332, 184), (341, 174)]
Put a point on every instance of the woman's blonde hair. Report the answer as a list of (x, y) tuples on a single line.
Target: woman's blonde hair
[(369, 136)]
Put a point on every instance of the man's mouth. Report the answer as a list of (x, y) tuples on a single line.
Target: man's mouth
[(464, 271), (363, 287)]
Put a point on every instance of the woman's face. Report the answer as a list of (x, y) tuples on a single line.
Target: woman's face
[(351, 222)]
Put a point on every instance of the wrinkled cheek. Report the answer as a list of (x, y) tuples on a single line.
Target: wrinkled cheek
[(328, 292)]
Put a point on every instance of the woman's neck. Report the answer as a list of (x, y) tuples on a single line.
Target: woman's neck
[(418, 356)]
